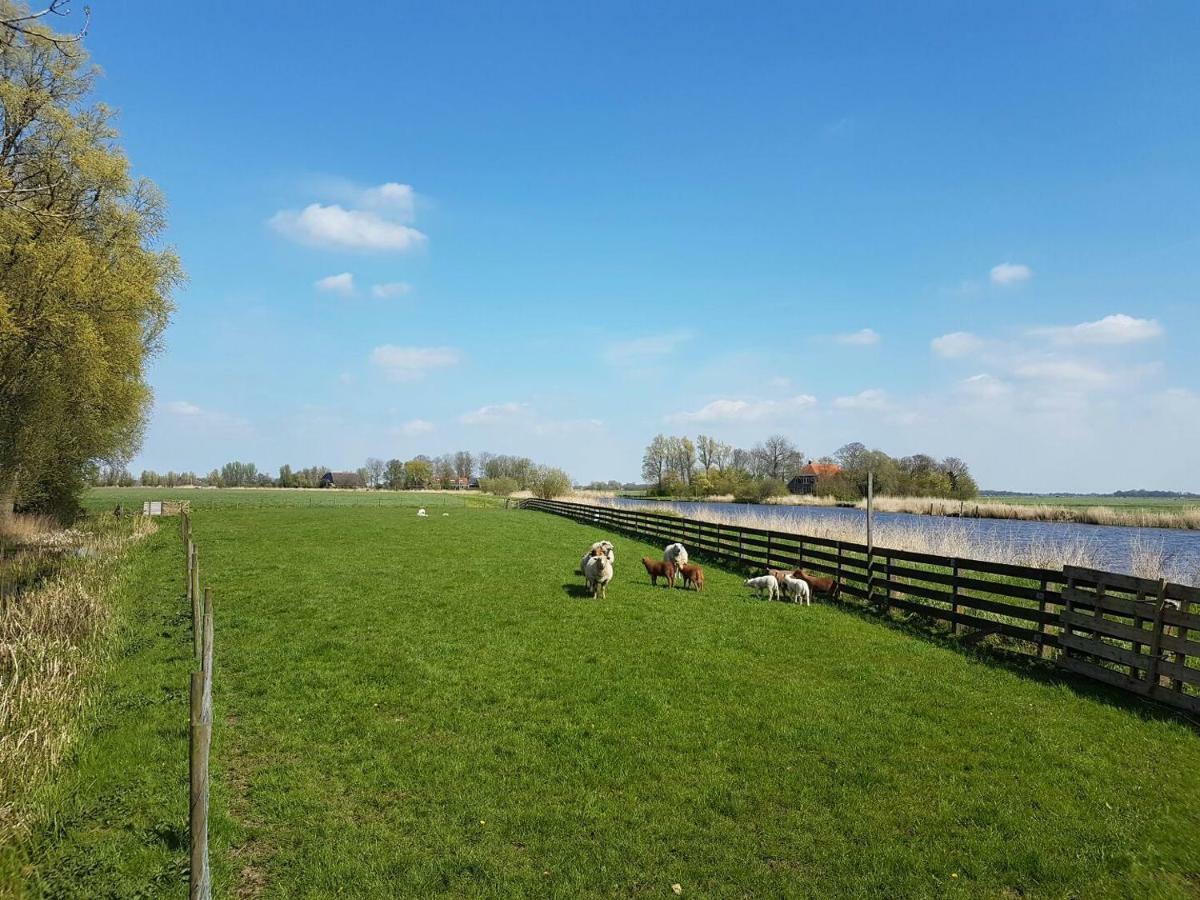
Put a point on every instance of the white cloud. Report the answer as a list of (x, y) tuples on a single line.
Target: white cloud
[(985, 387), (1115, 329), (957, 344), (182, 408), (345, 229), (415, 427), (1063, 372), (864, 337), (342, 284), (744, 410), (397, 198), (871, 399), (413, 363), (495, 414), (390, 289), (1010, 273), (644, 349)]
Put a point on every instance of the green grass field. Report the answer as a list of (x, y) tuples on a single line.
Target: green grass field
[(432, 707)]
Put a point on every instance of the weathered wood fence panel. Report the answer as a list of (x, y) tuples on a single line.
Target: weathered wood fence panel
[(1135, 634)]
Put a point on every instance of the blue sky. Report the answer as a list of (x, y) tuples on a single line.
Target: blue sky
[(556, 230)]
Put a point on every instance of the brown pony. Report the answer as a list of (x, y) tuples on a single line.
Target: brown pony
[(657, 570), (693, 575), (819, 583)]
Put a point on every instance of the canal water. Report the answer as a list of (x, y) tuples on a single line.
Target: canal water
[(1111, 546)]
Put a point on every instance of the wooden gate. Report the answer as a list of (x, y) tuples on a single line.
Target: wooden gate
[(1132, 633)]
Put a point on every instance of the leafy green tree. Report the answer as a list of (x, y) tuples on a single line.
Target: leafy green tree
[(418, 472), (393, 475), (85, 292)]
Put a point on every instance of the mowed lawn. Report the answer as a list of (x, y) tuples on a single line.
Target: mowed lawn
[(423, 706)]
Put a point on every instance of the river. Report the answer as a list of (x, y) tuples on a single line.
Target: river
[(1111, 546)]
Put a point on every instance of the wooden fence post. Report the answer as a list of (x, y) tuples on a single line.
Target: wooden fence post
[(1041, 597), (200, 734), (197, 604), (955, 628)]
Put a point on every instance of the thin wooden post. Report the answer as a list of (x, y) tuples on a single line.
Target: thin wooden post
[(870, 510), (197, 603), (1181, 632), (1041, 598), (887, 576), (954, 595), (770, 565), (207, 643), (200, 735), (1156, 634), (870, 540)]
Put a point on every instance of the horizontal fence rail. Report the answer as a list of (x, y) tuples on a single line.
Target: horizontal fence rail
[(1133, 633)]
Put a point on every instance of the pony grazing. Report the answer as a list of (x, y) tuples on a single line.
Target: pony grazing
[(693, 575), (764, 584), (598, 572), (657, 570)]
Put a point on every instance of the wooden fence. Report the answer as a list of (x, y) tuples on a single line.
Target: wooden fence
[(201, 715), (1133, 633)]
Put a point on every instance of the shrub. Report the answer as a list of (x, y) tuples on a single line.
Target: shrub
[(549, 483), (502, 486)]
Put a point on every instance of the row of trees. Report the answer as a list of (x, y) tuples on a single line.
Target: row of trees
[(679, 466), (497, 473)]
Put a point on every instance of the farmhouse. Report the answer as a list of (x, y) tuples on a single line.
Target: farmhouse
[(806, 481), (341, 480)]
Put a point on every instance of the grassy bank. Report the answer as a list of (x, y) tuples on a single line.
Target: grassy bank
[(56, 615)]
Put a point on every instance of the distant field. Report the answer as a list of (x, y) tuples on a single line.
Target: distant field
[(1166, 504), (231, 498), (432, 707)]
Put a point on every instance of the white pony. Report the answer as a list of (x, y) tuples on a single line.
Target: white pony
[(676, 554), (797, 590), (766, 583)]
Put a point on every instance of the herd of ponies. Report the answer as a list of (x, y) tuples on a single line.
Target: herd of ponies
[(795, 585)]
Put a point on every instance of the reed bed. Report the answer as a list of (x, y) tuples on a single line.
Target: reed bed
[(948, 539), (54, 614), (1186, 518)]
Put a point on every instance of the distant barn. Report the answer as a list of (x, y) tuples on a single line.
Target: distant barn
[(806, 481), (341, 480)]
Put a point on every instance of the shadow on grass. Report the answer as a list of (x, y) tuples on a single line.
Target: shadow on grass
[(1042, 670), (577, 591)]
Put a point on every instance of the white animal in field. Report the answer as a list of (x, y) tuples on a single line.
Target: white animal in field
[(797, 590), (766, 583), (447, 515), (677, 554), (598, 572), (606, 546), (421, 512)]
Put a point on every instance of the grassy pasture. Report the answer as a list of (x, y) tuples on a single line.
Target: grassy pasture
[(423, 707)]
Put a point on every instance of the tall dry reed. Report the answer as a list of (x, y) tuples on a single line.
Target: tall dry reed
[(1187, 518), (948, 538), (51, 645)]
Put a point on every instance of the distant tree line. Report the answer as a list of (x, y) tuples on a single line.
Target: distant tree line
[(677, 466), (492, 472)]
